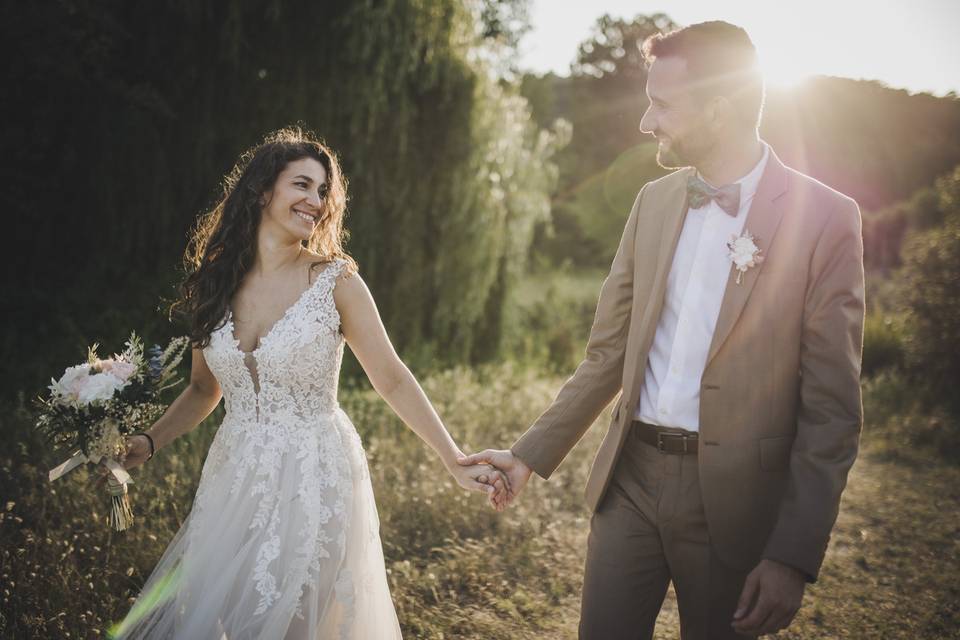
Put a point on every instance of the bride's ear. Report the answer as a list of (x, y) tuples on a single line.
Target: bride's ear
[(264, 198)]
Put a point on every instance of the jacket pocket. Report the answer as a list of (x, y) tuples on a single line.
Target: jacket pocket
[(775, 453)]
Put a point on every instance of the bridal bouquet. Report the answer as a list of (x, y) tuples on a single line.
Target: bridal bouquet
[(94, 405)]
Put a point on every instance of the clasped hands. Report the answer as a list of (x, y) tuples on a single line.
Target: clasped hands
[(504, 474)]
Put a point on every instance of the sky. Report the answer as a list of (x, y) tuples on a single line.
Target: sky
[(913, 45)]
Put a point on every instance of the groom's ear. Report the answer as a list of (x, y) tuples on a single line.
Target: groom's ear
[(720, 112)]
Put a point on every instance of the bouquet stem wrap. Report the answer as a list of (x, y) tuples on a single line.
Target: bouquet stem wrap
[(121, 515)]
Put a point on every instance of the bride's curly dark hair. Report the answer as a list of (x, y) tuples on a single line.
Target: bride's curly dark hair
[(223, 243)]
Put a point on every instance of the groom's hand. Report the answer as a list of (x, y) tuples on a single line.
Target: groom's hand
[(770, 599), (514, 468)]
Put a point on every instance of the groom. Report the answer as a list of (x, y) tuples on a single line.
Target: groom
[(738, 370)]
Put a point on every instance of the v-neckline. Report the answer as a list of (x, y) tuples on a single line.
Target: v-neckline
[(262, 339)]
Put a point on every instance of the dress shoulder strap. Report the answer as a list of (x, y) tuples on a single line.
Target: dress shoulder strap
[(322, 291)]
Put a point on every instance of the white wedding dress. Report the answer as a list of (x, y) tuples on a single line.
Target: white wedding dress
[(283, 538)]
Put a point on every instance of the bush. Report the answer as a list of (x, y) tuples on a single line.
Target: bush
[(930, 291), (900, 425), (553, 313), (883, 337)]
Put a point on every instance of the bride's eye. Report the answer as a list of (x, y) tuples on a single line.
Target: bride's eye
[(301, 184)]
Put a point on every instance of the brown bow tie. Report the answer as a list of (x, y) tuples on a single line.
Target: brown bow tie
[(699, 193)]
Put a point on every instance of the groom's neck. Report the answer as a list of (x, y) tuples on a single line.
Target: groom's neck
[(732, 159)]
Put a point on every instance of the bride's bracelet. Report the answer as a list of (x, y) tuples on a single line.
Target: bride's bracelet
[(152, 446)]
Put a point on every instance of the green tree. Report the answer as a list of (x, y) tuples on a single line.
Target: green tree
[(132, 112)]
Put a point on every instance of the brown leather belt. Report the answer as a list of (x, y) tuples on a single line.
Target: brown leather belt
[(667, 440)]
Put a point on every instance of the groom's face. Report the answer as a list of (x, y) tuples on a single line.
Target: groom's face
[(677, 116)]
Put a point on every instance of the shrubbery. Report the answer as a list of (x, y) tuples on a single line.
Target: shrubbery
[(930, 293)]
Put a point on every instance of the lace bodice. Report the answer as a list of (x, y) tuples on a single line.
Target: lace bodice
[(294, 370)]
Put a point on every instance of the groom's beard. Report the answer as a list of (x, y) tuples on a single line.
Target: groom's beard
[(670, 158), (675, 155), (683, 151)]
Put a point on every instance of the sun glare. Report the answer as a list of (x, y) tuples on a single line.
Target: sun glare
[(783, 69)]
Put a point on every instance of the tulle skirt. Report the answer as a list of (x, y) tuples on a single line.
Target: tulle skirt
[(282, 542)]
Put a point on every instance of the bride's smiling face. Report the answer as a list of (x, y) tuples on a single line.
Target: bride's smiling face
[(296, 201)]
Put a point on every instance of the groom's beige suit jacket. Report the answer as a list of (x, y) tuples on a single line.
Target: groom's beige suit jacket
[(780, 404)]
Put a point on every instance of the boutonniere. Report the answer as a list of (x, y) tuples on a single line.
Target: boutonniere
[(744, 253)]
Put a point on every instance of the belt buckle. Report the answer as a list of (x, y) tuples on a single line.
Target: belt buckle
[(683, 438)]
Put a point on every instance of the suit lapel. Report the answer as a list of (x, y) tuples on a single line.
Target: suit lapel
[(762, 221)]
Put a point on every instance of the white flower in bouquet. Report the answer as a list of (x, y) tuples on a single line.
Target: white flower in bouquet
[(93, 382), (99, 387), (67, 388)]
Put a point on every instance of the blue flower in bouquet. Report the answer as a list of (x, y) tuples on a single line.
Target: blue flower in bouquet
[(155, 362)]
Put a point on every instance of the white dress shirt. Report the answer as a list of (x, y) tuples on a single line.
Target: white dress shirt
[(670, 395)]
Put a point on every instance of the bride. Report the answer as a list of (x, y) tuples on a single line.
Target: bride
[(283, 539)]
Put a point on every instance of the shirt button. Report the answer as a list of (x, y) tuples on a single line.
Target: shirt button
[(663, 412)]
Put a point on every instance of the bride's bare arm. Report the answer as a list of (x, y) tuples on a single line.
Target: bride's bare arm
[(364, 332)]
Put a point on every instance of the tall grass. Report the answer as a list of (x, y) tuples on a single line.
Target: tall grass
[(456, 568)]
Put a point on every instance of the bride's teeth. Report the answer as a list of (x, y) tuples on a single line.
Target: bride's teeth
[(304, 216)]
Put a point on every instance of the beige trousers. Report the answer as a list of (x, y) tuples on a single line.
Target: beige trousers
[(648, 530)]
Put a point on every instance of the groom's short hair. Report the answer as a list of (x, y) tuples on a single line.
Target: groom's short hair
[(721, 59)]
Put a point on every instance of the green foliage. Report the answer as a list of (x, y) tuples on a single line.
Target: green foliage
[(883, 348), (552, 315), (930, 292), (901, 424), (155, 101), (588, 219), (886, 230)]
